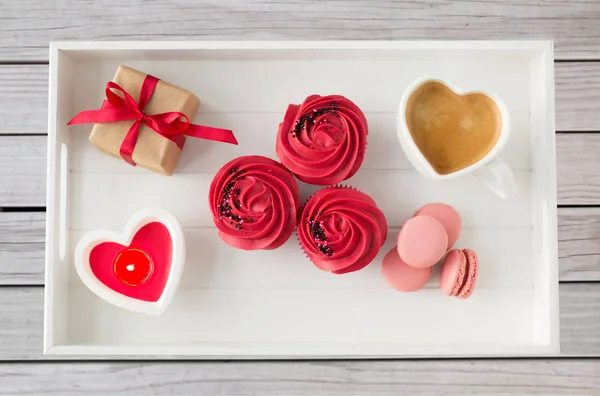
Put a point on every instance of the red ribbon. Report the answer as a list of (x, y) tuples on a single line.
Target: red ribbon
[(169, 125)]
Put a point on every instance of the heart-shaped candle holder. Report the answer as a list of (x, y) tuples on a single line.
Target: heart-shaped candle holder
[(139, 269)]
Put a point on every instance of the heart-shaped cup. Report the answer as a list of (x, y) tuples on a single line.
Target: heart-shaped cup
[(446, 132), (139, 269)]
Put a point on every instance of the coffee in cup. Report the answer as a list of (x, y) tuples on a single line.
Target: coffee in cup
[(446, 133), (452, 131)]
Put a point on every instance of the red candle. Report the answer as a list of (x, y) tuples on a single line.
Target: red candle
[(133, 267)]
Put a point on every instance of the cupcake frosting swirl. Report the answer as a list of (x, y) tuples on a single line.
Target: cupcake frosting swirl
[(323, 140), (341, 229), (254, 202)]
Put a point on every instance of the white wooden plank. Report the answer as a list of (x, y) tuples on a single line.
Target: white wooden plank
[(567, 377), (311, 322), (22, 248), (23, 182), (31, 24), (238, 84), (579, 244), (577, 96), (578, 179), (580, 318), (22, 170), (185, 195), (22, 313), (23, 98), (21, 310), (383, 148), (288, 268), (24, 91)]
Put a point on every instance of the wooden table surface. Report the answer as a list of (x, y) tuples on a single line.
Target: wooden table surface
[(26, 27)]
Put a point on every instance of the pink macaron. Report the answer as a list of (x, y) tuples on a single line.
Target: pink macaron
[(453, 272), (446, 215), (401, 276), (459, 273), (471, 278), (422, 241)]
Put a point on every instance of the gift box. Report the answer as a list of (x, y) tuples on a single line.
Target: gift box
[(152, 151), (145, 121)]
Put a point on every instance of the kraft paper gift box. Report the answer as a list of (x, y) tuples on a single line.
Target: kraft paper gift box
[(145, 121), (152, 150)]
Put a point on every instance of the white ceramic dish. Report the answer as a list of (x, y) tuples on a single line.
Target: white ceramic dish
[(491, 170), (139, 219), (275, 304)]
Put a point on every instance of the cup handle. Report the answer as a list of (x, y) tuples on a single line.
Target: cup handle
[(498, 177)]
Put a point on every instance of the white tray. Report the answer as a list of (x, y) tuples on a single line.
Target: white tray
[(235, 304)]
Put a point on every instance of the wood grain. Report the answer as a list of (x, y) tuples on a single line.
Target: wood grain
[(21, 310), (21, 322), (28, 25), (579, 244), (23, 98), (24, 95), (577, 96), (580, 319), (23, 164), (578, 179), (22, 248), (22, 171), (448, 377)]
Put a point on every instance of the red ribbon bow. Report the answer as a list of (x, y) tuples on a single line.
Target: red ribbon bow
[(169, 125)]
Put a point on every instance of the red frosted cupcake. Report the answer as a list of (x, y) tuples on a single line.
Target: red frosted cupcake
[(341, 229), (323, 140), (254, 203)]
